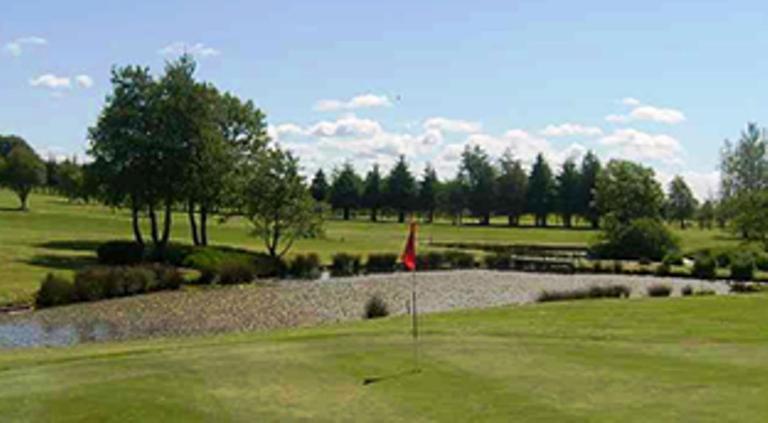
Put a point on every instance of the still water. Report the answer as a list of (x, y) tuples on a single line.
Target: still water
[(31, 333)]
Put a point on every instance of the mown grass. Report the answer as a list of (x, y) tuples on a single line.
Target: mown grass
[(59, 236), (682, 359)]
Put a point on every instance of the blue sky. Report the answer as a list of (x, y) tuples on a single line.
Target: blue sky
[(660, 82)]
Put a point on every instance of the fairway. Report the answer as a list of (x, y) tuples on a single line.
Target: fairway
[(684, 359), (58, 236)]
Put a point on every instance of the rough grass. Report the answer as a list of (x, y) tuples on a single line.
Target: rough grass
[(686, 359), (60, 237)]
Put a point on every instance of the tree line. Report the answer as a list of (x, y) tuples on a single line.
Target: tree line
[(484, 188)]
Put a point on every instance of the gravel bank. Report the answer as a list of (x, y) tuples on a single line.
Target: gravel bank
[(291, 304)]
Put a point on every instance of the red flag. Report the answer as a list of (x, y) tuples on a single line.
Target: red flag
[(409, 255)]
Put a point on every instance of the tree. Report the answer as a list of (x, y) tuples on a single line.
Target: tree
[(345, 190), (568, 192), (277, 202), (511, 188), (681, 204), (452, 200), (401, 189), (706, 214), (428, 190), (373, 196), (22, 170), (478, 176), (71, 180), (541, 190), (319, 187), (590, 170), (628, 191)]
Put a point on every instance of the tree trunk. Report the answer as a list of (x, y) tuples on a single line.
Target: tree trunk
[(401, 216), (430, 216), (135, 225), (595, 223), (544, 221), (23, 198), (167, 225), (374, 215), (346, 213), (193, 223), (567, 221), (153, 224), (682, 223), (203, 225)]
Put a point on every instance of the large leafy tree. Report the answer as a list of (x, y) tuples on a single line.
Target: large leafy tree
[(590, 169), (511, 188), (629, 191), (568, 192), (401, 190), (373, 192), (429, 187), (319, 187), (345, 190), (541, 191), (478, 176), (278, 203), (681, 204), (706, 214), (71, 180), (21, 170)]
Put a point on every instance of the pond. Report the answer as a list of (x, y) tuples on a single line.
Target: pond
[(31, 333)]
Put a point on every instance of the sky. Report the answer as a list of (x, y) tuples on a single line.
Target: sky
[(659, 82)]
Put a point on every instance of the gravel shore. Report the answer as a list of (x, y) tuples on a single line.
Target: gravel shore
[(300, 303)]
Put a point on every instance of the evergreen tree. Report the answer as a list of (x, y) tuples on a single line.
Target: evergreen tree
[(568, 192), (541, 191), (345, 190), (590, 169), (401, 189), (319, 187), (681, 204), (428, 190), (373, 196), (511, 186), (705, 215), (479, 178)]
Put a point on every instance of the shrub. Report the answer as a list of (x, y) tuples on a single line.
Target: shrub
[(663, 269), (761, 261), (344, 264), (723, 257), (92, 284), (647, 239), (609, 291), (687, 291), (460, 259), (598, 267), (658, 290), (433, 260), (745, 288), (173, 254), (120, 253), (381, 263), (704, 267), (673, 258), (618, 266), (742, 267), (376, 307), (305, 266), (54, 290), (167, 278), (236, 272), (98, 283), (498, 261), (122, 281)]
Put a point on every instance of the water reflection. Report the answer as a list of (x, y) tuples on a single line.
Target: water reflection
[(31, 333)]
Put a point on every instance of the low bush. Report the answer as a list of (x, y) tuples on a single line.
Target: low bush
[(172, 254), (745, 288), (460, 259), (704, 267), (54, 290), (609, 291), (304, 266), (433, 260), (498, 261), (375, 307), (100, 282), (687, 291), (659, 290), (381, 263), (93, 284), (742, 267), (343, 264), (167, 278), (673, 258), (618, 267), (124, 281), (761, 261), (236, 272), (598, 267), (645, 239), (120, 253), (663, 269)]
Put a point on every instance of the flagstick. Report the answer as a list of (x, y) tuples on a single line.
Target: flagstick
[(414, 323)]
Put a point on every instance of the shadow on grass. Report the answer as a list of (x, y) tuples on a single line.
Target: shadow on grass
[(55, 262), (12, 210), (71, 245)]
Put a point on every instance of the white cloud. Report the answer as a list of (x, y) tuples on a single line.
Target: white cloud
[(637, 145), (198, 50), (16, 47), (451, 125), (276, 132), (570, 129), (358, 102), (50, 80), (646, 113), (84, 81), (346, 126), (705, 185)]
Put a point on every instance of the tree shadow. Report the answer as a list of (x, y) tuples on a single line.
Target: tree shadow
[(55, 262), (71, 245), (12, 210)]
